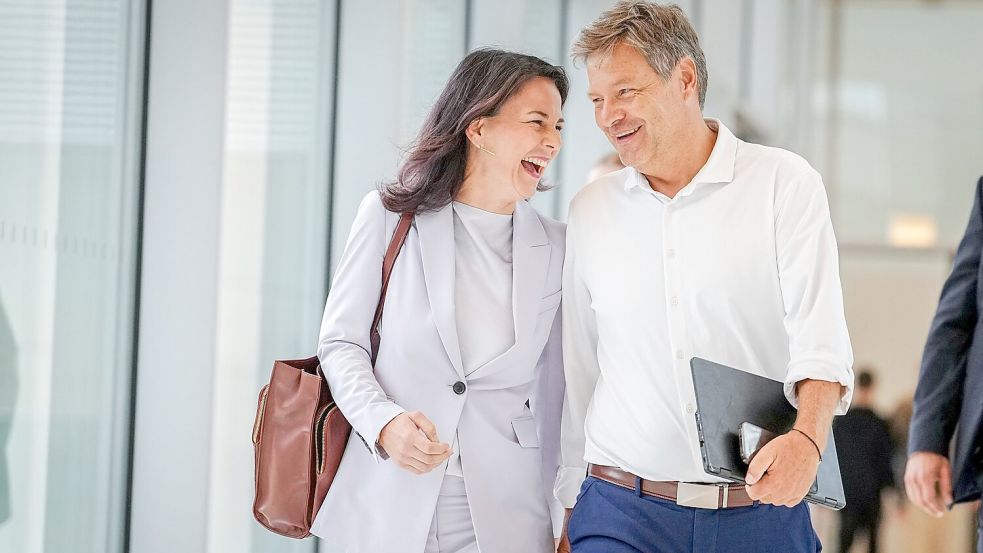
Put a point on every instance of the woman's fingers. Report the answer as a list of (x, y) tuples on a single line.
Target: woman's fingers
[(431, 448), (421, 452), (412, 465), (425, 425), (410, 439)]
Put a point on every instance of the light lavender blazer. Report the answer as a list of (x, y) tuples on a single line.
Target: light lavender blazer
[(509, 451)]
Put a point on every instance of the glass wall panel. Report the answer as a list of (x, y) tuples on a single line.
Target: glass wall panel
[(273, 237), (394, 59), (70, 107)]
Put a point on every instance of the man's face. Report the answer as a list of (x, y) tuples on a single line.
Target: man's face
[(637, 111)]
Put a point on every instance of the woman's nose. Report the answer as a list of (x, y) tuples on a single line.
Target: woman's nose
[(553, 140)]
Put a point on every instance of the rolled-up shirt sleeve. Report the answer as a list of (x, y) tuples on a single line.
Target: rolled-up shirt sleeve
[(808, 267), (581, 371)]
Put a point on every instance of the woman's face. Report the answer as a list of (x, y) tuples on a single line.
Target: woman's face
[(524, 136)]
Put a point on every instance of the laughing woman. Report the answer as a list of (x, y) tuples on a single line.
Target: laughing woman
[(456, 430)]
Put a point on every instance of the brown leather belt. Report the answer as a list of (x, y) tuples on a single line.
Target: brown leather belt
[(701, 496)]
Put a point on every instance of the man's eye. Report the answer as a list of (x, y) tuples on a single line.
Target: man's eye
[(624, 91), (535, 122), (595, 100)]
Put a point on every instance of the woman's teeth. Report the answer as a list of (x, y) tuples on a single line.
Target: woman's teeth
[(534, 165)]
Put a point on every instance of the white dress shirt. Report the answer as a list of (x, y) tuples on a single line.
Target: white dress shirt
[(740, 268), (482, 292)]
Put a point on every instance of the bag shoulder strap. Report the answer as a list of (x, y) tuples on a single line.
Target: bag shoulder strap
[(395, 246)]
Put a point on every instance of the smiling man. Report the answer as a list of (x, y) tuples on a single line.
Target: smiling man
[(704, 245)]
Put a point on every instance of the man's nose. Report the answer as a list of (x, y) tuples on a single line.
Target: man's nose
[(609, 115)]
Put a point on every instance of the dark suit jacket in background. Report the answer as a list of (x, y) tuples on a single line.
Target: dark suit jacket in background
[(949, 397)]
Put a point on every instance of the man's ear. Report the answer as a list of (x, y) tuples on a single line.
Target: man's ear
[(689, 79)]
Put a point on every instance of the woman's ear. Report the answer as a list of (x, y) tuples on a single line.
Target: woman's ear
[(475, 132)]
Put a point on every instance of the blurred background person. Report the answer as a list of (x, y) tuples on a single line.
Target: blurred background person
[(865, 463), (607, 164)]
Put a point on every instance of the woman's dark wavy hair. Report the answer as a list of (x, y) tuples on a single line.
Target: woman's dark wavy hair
[(433, 170)]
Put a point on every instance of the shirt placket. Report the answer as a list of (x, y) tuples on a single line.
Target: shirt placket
[(677, 310)]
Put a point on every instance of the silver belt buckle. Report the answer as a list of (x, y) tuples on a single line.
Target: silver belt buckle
[(700, 496)]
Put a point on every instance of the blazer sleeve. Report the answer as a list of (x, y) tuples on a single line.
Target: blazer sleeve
[(547, 405), (344, 345), (939, 395)]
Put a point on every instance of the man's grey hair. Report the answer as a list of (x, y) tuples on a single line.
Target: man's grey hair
[(662, 33)]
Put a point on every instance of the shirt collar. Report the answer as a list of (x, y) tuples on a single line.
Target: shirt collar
[(719, 167)]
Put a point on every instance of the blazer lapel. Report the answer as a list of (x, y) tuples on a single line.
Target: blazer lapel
[(436, 231), (530, 261)]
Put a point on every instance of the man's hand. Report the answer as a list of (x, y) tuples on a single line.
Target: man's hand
[(563, 545), (785, 468), (928, 482), (783, 471), (411, 441)]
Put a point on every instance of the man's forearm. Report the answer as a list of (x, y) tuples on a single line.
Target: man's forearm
[(817, 402)]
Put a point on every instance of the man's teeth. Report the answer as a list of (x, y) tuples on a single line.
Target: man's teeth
[(536, 161), (626, 133)]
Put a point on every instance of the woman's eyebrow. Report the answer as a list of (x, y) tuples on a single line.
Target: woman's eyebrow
[(537, 112)]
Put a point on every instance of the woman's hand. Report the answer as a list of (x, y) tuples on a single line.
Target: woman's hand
[(411, 441)]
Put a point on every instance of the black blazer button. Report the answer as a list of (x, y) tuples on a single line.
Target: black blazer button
[(459, 387)]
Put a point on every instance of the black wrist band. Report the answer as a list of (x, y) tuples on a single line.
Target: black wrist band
[(814, 444)]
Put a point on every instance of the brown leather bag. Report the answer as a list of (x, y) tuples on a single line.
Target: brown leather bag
[(300, 434)]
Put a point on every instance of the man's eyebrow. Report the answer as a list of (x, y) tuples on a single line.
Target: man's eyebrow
[(623, 83)]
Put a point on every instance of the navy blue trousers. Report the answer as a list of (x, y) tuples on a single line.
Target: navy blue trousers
[(612, 519)]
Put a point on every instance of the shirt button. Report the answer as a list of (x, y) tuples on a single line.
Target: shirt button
[(674, 301), (679, 354), (671, 253), (690, 409), (459, 387)]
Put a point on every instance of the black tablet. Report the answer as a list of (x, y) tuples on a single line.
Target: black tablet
[(727, 397)]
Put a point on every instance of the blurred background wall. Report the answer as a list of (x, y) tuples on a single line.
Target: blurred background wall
[(177, 179)]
